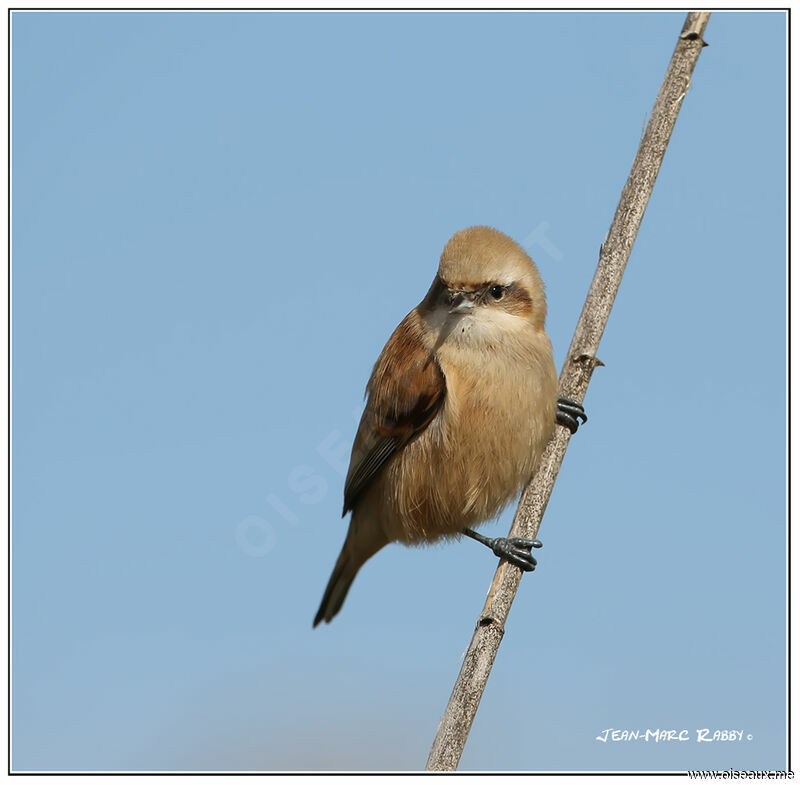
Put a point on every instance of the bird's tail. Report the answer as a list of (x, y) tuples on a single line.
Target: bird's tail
[(364, 539), (343, 575)]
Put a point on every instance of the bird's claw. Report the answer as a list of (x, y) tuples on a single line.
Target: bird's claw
[(570, 413), (516, 551)]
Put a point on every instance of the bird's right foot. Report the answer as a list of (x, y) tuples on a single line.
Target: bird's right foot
[(514, 550)]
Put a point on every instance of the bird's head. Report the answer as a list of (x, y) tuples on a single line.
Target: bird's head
[(487, 283)]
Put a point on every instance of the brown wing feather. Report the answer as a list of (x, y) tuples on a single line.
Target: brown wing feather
[(406, 390)]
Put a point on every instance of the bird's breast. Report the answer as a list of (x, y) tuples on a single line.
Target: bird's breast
[(483, 445)]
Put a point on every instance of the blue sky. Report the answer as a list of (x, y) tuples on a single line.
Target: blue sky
[(218, 220)]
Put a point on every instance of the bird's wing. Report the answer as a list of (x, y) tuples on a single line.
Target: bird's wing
[(406, 390)]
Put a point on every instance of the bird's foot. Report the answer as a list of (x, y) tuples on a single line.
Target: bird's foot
[(570, 413), (515, 550)]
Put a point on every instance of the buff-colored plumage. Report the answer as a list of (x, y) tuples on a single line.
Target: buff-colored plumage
[(461, 404)]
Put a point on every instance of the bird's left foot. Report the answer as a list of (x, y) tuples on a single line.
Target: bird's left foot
[(515, 550), (570, 413)]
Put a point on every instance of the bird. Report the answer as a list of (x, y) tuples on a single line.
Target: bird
[(460, 406)]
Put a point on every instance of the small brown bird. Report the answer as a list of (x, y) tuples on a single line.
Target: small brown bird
[(461, 404)]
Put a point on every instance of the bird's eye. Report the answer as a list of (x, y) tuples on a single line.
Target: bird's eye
[(497, 291)]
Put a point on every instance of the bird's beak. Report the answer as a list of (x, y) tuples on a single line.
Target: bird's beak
[(461, 302)]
